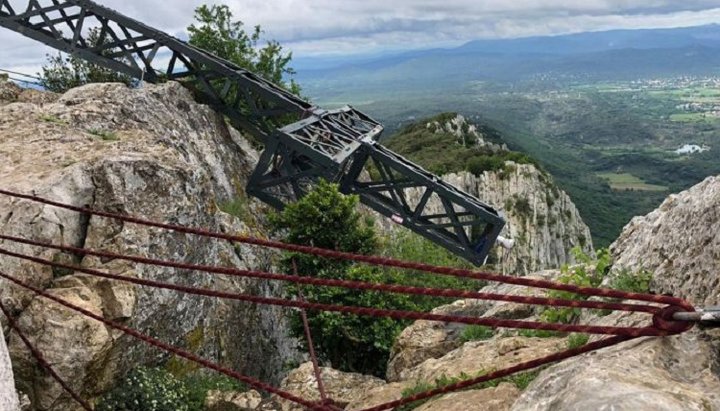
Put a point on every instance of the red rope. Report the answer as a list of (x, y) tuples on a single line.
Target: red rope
[(169, 348), (311, 346), (382, 261), (359, 285), (42, 361), (654, 330), (662, 319)]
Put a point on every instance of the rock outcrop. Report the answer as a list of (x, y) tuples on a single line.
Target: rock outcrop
[(498, 398), (541, 218), (650, 374), (232, 401), (151, 152), (678, 243), (8, 395), (342, 387)]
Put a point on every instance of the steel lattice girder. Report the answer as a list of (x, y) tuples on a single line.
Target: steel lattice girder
[(335, 145), (405, 192)]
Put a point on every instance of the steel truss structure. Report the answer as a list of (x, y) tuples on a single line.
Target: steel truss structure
[(336, 145)]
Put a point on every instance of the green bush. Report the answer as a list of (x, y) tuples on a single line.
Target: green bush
[(156, 389), (576, 340), (408, 246), (626, 280), (326, 218), (578, 275), (198, 386), (148, 390)]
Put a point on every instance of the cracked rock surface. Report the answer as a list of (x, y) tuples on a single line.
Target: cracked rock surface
[(151, 152)]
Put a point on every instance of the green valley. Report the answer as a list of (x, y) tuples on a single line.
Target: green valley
[(612, 146)]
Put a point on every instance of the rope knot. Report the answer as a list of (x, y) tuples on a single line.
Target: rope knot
[(663, 319)]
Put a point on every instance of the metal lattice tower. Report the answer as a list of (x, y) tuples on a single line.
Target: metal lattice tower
[(336, 145)]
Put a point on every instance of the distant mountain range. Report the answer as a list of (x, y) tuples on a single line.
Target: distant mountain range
[(607, 55)]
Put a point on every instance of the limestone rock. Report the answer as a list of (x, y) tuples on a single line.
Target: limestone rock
[(498, 398), (8, 395), (540, 218), (379, 395), (342, 387), (232, 401), (653, 374), (151, 152), (678, 243), (11, 92), (430, 339), (71, 343), (479, 356)]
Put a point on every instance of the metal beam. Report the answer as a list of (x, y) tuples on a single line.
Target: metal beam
[(335, 145)]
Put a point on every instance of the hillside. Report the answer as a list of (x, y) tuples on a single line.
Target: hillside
[(539, 216), (447, 143)]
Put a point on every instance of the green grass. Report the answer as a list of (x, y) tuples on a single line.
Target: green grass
[(693, 118), (627, 181), (442, 152), (576, 340), (105, 135), (49, 118), (238, 207), (476, 333)]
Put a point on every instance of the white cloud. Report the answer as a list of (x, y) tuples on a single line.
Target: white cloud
[(310, 27)]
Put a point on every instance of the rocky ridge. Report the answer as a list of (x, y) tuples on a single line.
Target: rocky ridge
[(540, 218), (151, 152)]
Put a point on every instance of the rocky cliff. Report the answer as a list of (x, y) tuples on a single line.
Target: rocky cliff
[(541, 218), (678, 243), (152, 152)]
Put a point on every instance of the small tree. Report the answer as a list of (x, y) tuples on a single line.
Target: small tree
[(63, 72), (218, 33), (326, 218)]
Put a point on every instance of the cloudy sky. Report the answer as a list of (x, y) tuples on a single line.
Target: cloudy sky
[(327, 27)]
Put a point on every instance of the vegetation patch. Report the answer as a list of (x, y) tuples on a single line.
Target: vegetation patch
[(155, 389), (444, 152), (576, 340), (49, 118), (148, 389), (238, 207), (629, 182), (105, 135), (589, 272), (475, 332), (326, 218)]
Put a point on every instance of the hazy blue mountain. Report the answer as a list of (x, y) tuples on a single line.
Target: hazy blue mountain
[(708, 35), (609, 55)]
